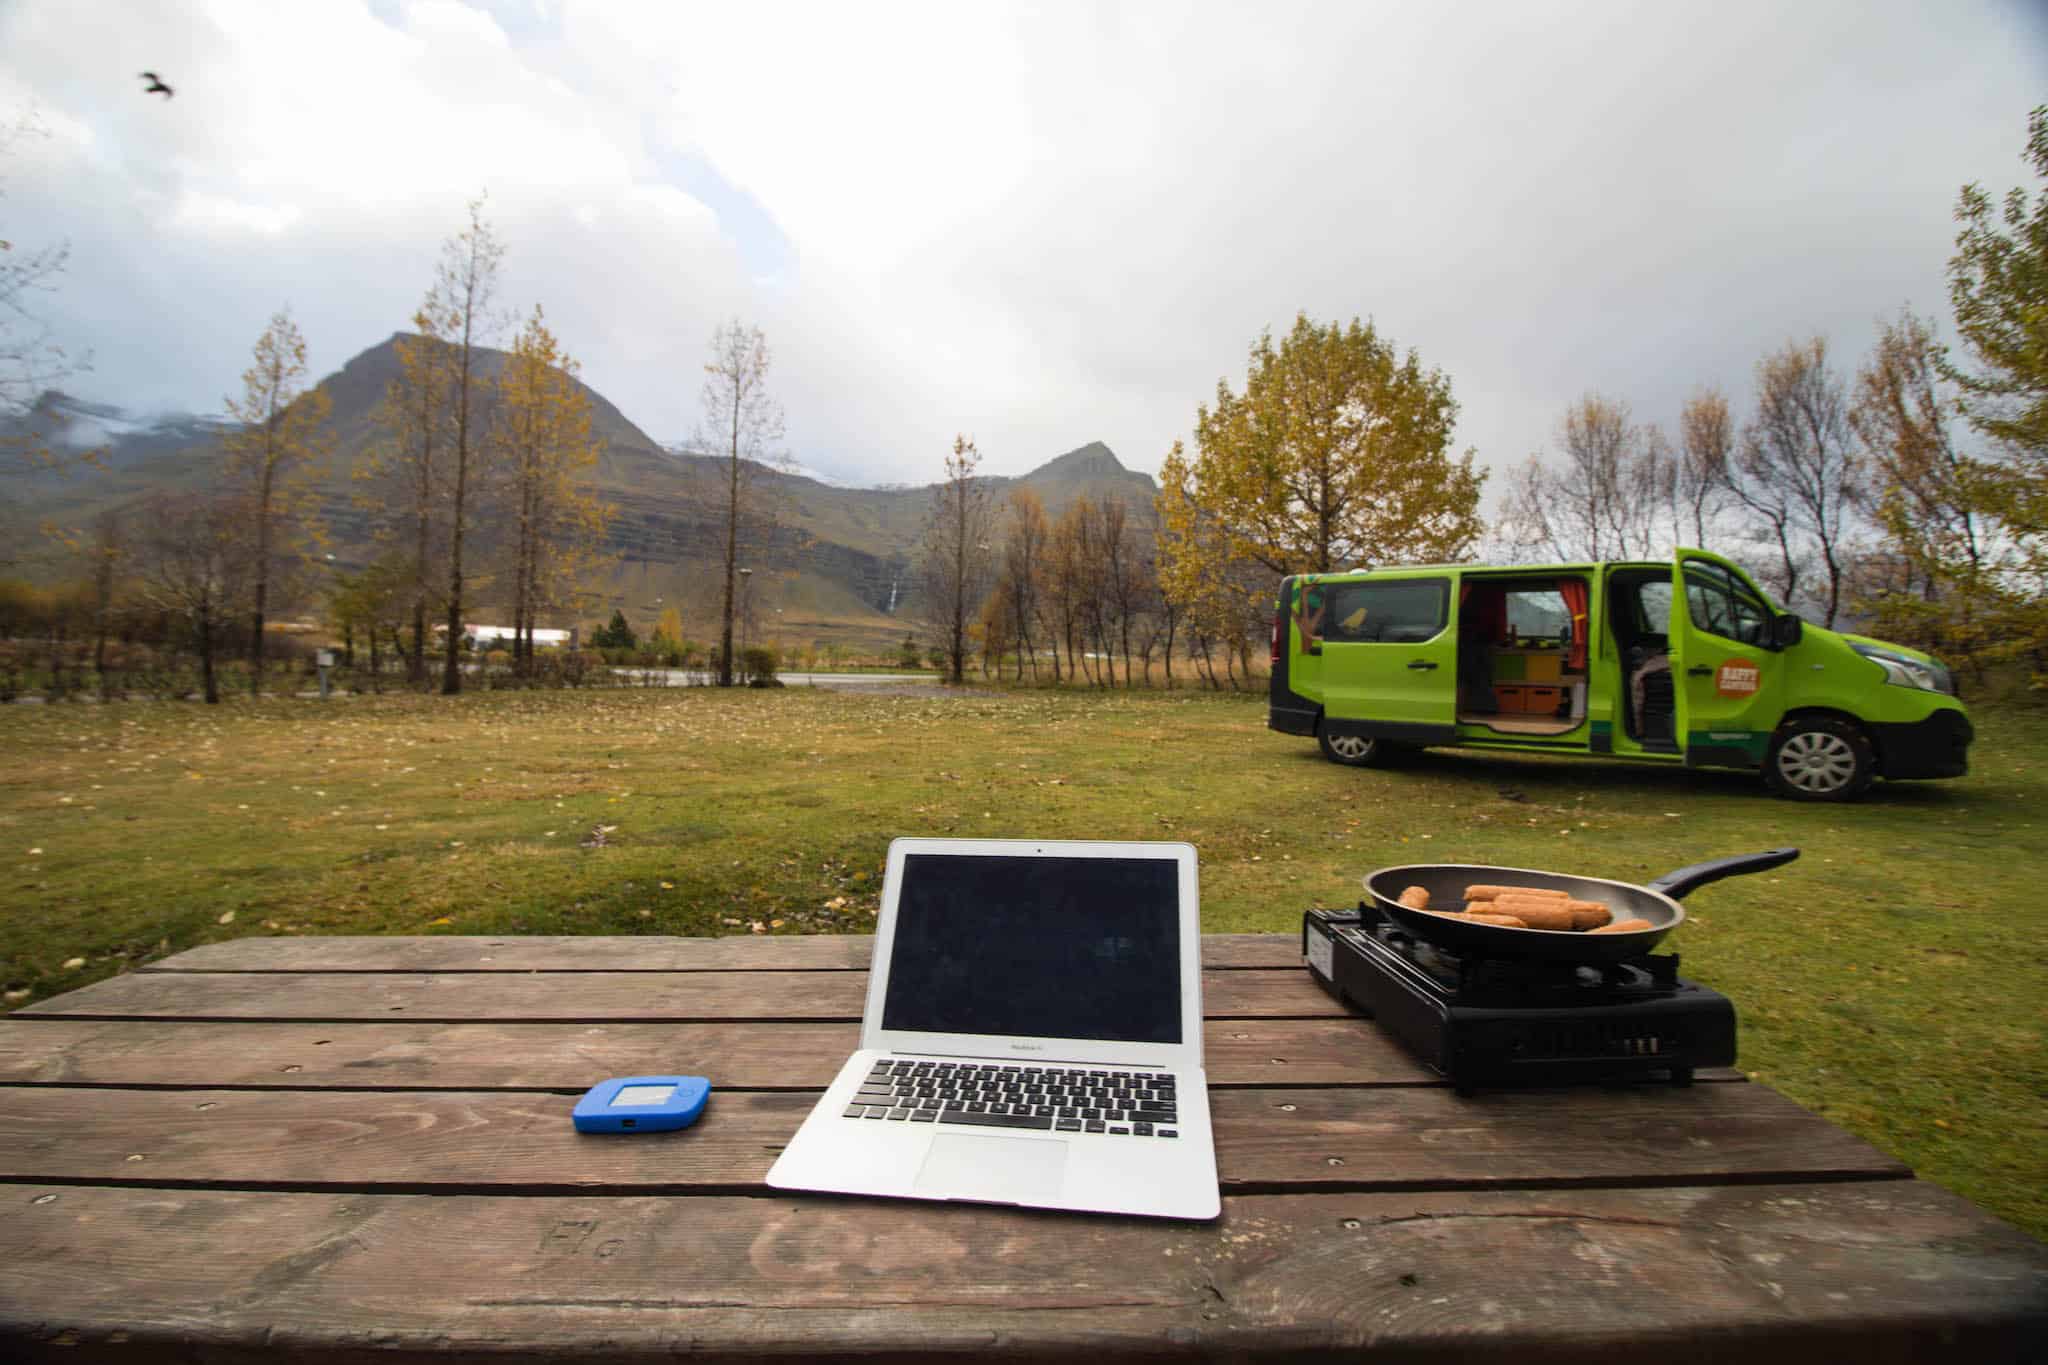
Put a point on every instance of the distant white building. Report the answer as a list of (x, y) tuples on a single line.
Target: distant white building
[(485, 636)]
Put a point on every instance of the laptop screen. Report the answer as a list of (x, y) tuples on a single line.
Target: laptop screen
[(1037, 947)]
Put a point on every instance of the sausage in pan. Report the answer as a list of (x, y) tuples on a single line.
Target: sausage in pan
[(1487, 893)]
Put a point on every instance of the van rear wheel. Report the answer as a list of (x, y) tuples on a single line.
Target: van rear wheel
[(1820, 758), (1354, 750)]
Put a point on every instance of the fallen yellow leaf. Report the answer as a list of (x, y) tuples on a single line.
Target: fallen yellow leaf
[(228, 918), (73, 964)]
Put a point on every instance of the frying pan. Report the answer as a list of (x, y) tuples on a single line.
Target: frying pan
[(1656, 902)]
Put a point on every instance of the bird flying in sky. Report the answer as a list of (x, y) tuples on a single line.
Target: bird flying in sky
[(156, 85)]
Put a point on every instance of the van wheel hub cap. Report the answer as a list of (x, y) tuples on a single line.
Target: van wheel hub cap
[(1351, 746), (1817, 761)]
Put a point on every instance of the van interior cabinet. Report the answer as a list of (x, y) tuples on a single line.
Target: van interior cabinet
[(1528, 665), (1531, 699)]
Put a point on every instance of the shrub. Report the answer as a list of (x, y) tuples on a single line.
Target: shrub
[(757, 666), (616, 634)]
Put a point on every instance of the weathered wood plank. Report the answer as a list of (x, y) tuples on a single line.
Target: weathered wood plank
[(1394, 1137), (770, 953), (597, 996), (1877, 1272), (493, 1056)]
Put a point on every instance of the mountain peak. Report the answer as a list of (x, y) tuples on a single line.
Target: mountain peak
[(1092, 461)]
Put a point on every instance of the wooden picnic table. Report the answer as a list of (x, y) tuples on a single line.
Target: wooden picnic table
[(360, 1148)]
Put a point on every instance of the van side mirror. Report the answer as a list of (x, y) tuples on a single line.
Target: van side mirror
[(1786, 630)]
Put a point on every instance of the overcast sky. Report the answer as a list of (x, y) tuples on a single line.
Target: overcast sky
[(1039, 225)]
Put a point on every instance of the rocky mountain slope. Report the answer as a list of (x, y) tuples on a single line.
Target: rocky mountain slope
[(836, 565)]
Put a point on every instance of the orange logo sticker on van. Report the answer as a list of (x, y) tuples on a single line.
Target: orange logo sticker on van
[(1738, 678)]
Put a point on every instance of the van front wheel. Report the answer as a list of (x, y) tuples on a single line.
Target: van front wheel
[(1352, 749), (1820, 758)]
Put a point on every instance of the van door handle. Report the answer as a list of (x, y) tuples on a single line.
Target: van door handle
[(1698, 671), (1420, 664)]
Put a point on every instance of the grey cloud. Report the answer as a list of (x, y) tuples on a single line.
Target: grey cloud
[(1542, 200)]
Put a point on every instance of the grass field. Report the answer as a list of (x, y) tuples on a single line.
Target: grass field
[(1890, 979)]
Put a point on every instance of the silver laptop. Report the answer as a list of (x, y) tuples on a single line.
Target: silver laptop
[(1033, 1035)]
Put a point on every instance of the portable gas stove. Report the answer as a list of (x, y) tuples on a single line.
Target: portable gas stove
[(1483, 1021)]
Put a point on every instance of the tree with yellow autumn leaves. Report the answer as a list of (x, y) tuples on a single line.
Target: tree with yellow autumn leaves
[(541, 431), (1337, 454)]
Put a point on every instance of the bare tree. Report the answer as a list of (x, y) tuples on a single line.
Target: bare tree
[(459, 312), (1126, 579), (1928, 498), (1060, 603), (1918, 489), (106, 557), (959, 562), (741, 424), (1706, 442), (1023, 571), (1080, 560), (1796, 467), (271, 460), (30, 358), (405, 469), (1605, 499), (193, 570)]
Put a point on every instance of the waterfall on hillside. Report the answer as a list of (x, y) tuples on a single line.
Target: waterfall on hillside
[(891, 608)]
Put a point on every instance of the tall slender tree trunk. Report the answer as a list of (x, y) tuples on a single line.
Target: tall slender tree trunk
[(451, 675), (732, 537), (423, 491), (209, 687), (262, 567)]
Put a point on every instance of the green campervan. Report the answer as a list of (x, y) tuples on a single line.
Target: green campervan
[(1684, 663)]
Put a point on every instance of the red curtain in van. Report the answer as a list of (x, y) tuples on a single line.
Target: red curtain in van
[(1573, 590), (1483, 613)]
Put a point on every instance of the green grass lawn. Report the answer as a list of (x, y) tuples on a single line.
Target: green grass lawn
[(1890, 979)]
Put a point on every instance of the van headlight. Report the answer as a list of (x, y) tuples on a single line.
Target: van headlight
[(1901, 671)]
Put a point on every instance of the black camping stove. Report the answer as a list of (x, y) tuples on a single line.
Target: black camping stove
[(1483, 1021)]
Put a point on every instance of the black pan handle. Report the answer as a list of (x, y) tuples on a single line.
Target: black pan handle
[(1676, 884)]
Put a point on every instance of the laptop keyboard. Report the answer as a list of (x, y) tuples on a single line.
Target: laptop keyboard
[(1051, 1099)]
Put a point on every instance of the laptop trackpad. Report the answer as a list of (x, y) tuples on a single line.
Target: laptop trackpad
[(997, 1169)]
